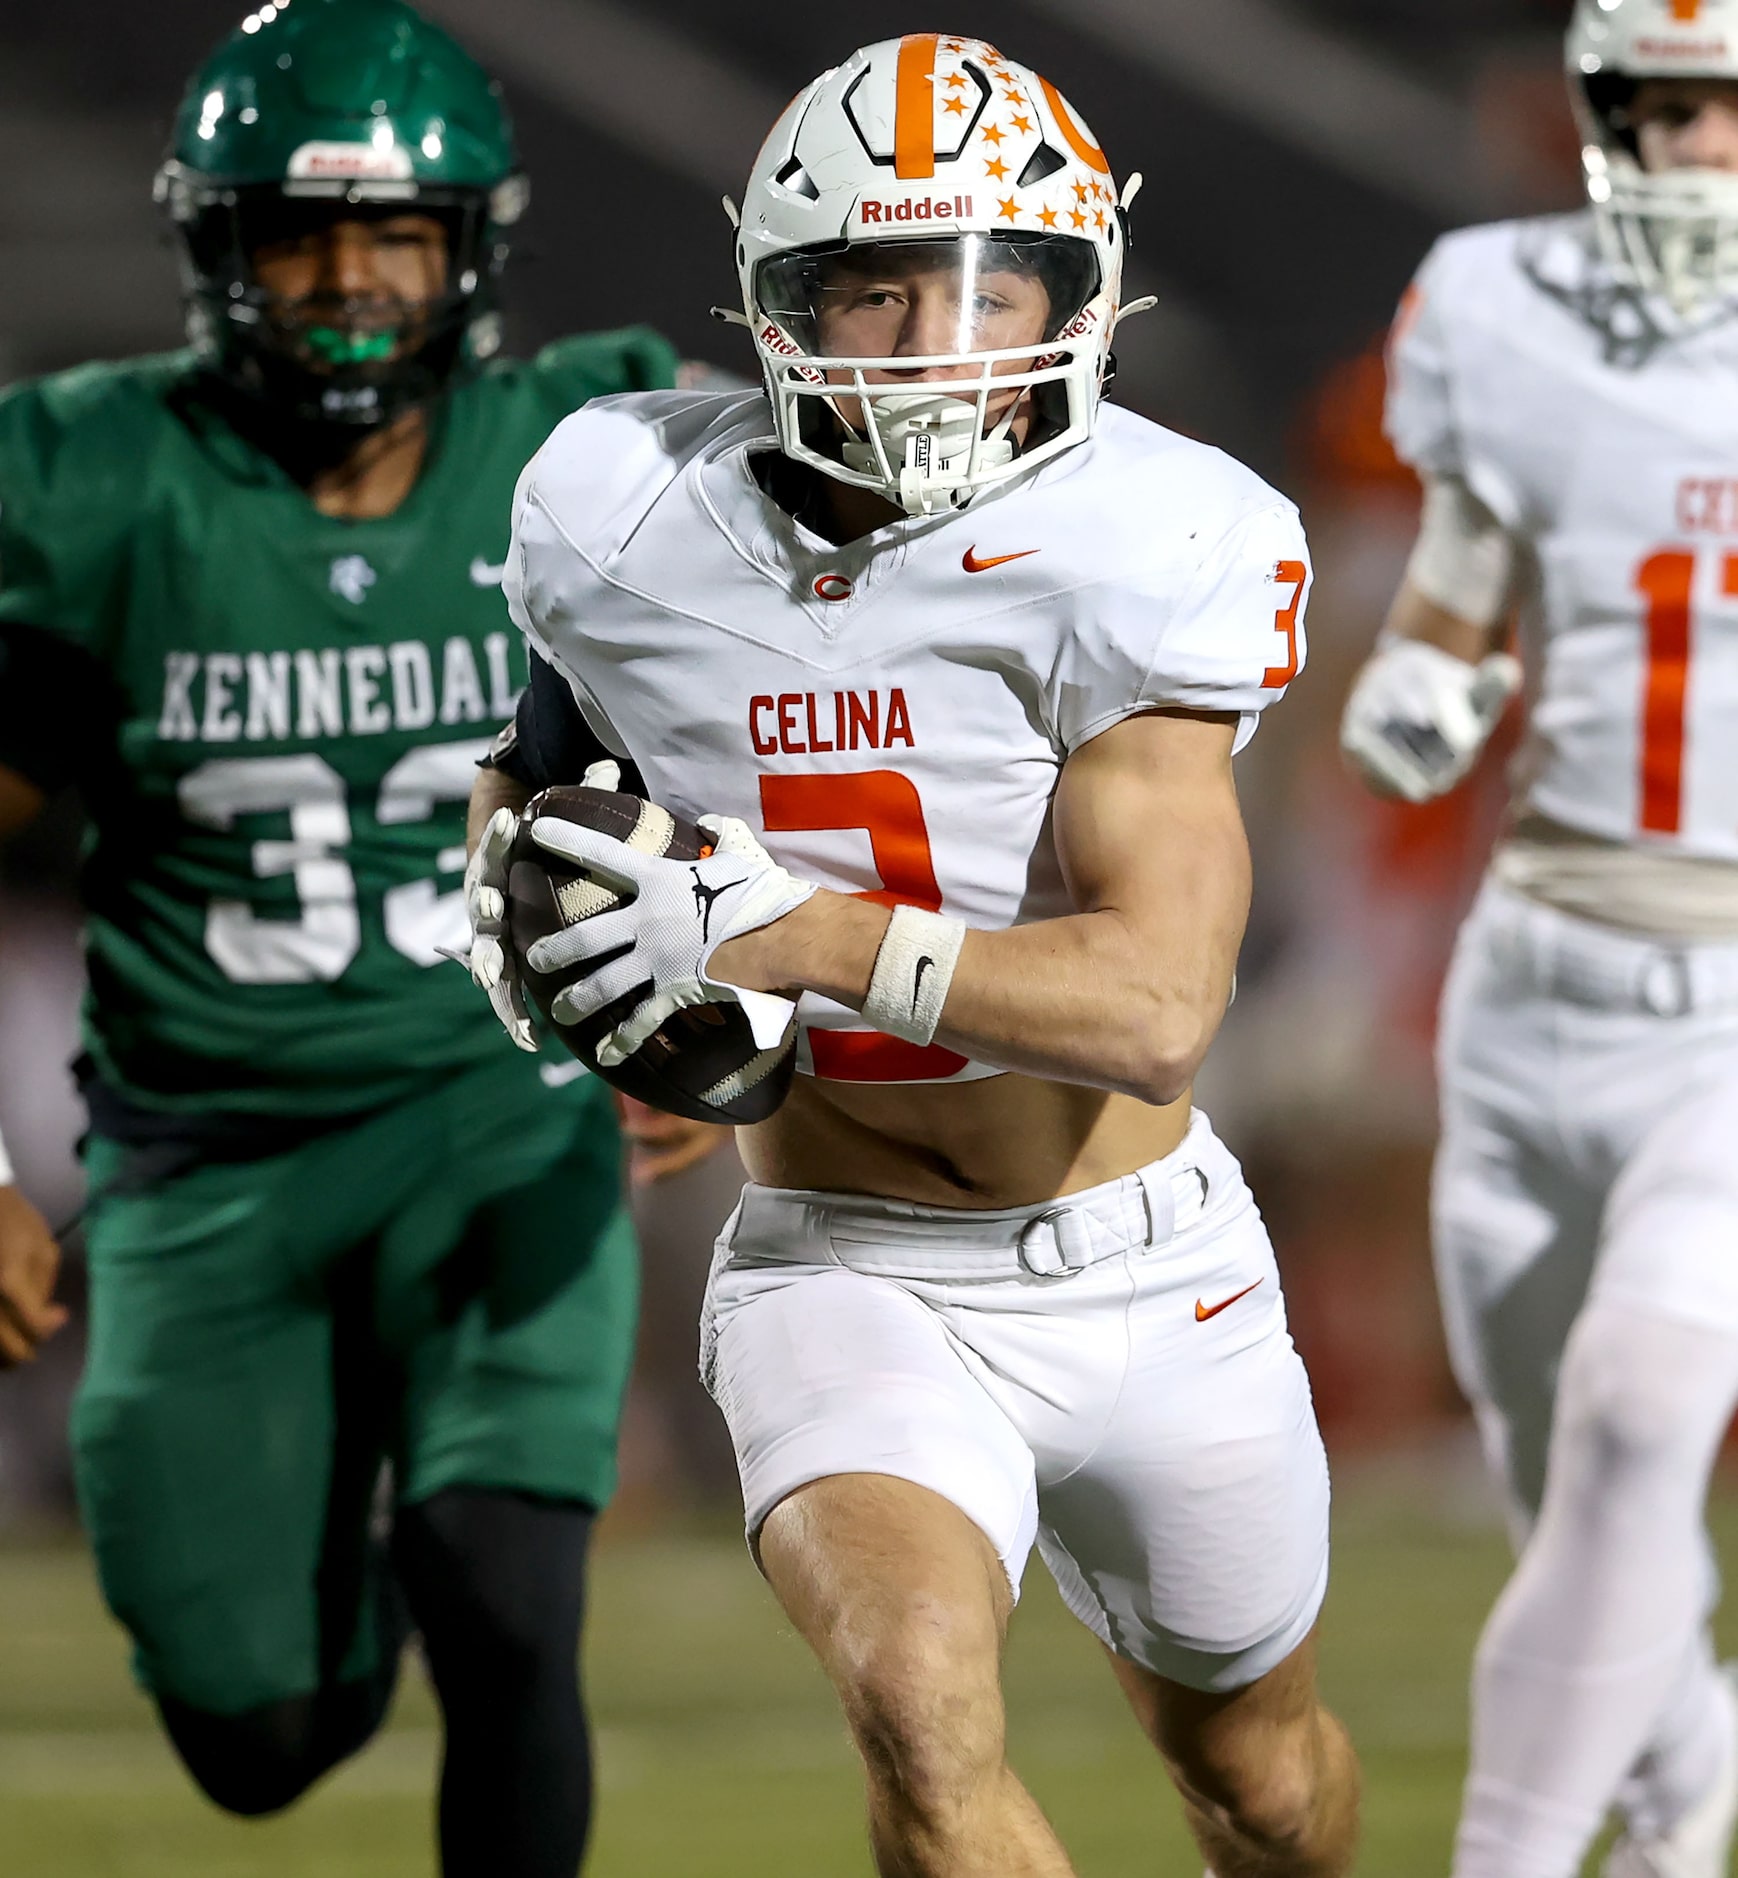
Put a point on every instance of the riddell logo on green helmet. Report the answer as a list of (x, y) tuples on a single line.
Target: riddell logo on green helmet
[(346, 162)]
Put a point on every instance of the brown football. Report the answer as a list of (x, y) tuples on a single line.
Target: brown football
[(703, 1062)]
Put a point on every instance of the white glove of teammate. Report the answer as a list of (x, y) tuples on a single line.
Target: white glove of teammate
[(493, 967), (1418, 716), (679, 914)]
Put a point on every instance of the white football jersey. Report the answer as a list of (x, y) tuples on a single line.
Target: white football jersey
[(892, 716), (1602, 432)]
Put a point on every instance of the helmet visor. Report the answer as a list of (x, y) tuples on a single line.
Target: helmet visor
[(933, 298)]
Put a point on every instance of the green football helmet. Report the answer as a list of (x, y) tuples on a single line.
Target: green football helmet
[(315, 110)]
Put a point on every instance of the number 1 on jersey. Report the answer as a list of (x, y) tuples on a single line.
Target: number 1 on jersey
[(1667, 581)]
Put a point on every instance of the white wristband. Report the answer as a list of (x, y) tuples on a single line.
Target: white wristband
[(6, 1174), (912, 973)]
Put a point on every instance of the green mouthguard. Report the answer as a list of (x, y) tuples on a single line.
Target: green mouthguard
[(333, 347)]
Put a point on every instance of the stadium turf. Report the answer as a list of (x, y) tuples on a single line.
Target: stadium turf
[(720, 1753)]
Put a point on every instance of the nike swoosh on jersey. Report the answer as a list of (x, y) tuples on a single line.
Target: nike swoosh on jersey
[(973, 565), (484, 574), (559, 1075), (1205, 1311)]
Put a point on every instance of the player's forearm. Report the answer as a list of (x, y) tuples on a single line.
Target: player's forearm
[(1413, 616), (1091, 998), (491, 791)]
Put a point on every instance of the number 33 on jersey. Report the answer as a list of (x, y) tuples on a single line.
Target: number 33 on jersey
[(278, 715), (895, 713)]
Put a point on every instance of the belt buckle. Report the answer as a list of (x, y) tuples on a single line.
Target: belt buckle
[(1664, 987), (1048, 1228)]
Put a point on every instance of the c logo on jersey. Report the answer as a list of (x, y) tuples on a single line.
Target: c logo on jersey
[(833, 587)]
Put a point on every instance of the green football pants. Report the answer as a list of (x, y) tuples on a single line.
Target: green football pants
[(449, 1286)]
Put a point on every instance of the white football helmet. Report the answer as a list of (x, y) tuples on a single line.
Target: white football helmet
[(1674, 233), (934, 156)]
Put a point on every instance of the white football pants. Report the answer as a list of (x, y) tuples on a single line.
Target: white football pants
[(1585, 1214), (1108, 1375)]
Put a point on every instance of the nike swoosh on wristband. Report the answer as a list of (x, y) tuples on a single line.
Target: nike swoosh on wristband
[(973, 565), (926, 963), (1204, 1311), (485, 574)]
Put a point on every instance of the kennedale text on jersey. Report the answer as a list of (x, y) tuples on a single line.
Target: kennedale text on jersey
[(801, 723), (360, 691)]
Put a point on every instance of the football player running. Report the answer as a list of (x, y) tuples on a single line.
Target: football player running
[(1568, 390), (972, 656), (249, 601)]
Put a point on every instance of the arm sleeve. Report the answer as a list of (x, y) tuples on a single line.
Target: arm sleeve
[(58, 711), (549, 741), (1229, 638), (1464, 559)]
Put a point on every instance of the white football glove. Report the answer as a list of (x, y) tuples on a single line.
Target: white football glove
[(1418, 716), (679, 914), (493, 967)]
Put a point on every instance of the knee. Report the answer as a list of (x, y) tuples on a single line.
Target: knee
[(1266, 1792), (1617, 1416), (251, 1764)]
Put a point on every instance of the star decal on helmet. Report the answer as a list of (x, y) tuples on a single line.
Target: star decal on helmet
[(996, 168), (1008, 208)]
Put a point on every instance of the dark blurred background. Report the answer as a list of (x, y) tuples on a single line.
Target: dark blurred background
[(1299, 156)]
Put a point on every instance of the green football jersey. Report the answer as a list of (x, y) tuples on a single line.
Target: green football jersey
[(277, 823)]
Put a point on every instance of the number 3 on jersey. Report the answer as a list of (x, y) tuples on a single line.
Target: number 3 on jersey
[(1667, 581), (318, 947), (886, 805)]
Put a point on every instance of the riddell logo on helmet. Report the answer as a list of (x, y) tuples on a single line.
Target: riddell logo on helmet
[(775, 341), (917, 209), (363, 162)]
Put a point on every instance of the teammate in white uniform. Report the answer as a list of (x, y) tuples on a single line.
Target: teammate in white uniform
[(1568, 389), (957, 643)]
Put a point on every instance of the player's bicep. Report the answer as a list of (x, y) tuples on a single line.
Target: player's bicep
[(1148, 826)]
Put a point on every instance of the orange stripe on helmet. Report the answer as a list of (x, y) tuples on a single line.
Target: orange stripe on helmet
[(914, 106), (1077, 139)]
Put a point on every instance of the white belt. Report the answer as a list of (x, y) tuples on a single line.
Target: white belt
[(891, 1238), (1583, 963)]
